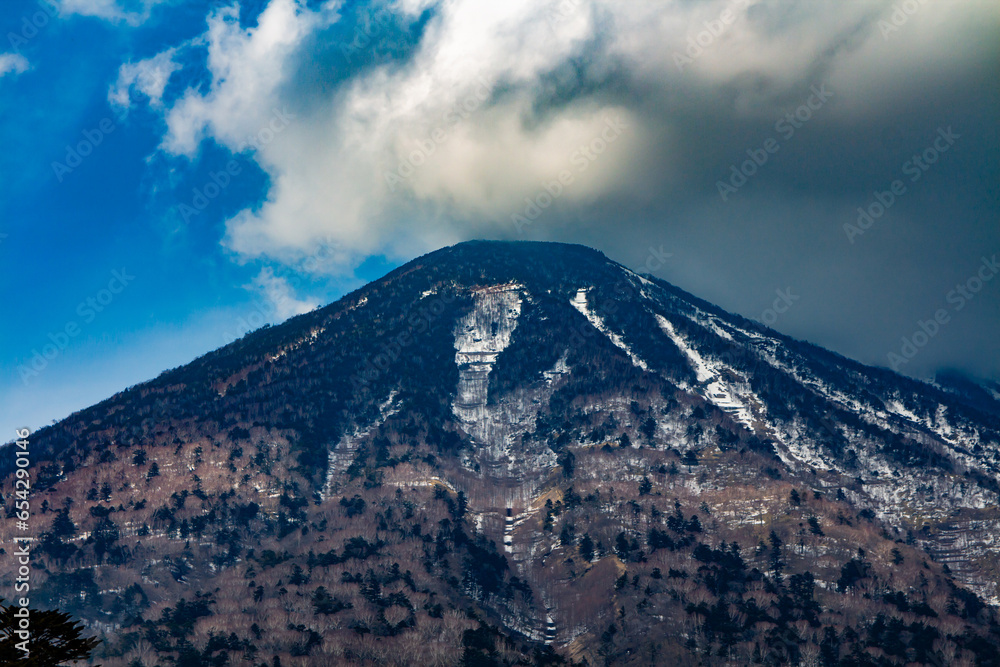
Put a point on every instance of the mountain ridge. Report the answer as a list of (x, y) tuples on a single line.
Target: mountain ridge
[(414, 264), (530, 409)]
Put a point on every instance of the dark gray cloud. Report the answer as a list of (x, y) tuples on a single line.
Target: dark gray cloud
[(784, 229), (613, 124)]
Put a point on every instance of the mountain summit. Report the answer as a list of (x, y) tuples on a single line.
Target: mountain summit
[(525, 453)]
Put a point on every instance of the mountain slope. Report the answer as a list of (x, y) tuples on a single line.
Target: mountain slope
[(520, 453)]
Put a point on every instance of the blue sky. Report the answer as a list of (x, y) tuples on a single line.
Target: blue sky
[(384, 130), (66, 233)]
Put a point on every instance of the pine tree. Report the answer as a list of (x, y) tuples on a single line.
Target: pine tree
[(645, 486), (55, 639), (587, 547), (62, 525), (777, 564)]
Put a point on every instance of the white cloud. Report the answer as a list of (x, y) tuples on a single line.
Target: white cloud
[(148, 77), (279, 296), (12, 63), (132, 12), (248, 66), (499, 98)]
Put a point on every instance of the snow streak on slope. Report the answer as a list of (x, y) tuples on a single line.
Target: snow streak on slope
[(727, 389), (561, 368), (482, 335), (904, 497), (342, 455), (497, 426), (891, 413), (580, 303), (701, 368), (716, 380)]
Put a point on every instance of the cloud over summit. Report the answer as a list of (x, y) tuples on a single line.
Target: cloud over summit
[(420, 123)]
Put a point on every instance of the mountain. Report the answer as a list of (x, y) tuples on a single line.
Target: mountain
[(523, 453)]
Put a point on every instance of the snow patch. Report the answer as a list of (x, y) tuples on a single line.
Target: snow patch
[(701, 369), (721, 385), (580, 303), (481, 336), (561, 368), (496, 427), (341, 456)]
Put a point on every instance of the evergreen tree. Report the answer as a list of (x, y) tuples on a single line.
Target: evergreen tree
[(645, 486), (777, 564), (62, 525), (55, 639)]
